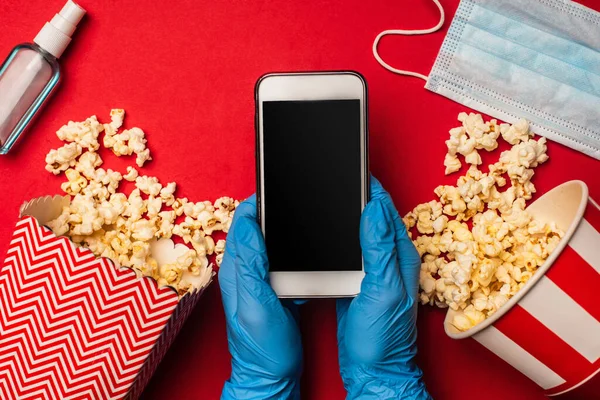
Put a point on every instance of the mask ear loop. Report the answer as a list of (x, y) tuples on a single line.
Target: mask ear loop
[(407, 32)]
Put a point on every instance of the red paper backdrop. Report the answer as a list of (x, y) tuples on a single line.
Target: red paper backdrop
[(185, 73)]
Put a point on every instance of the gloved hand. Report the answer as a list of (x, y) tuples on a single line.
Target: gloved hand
[(376, 330), (264, 339)]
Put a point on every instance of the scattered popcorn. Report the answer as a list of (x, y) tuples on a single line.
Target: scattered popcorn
[(130, 141), (148, 185), (225, 207), (153, 206), (116, 117), (61, 159), (469, 318), (87, 164), (193, 209), (116, 120), (199, 264), (166, 224), (187, 259), (112, 209), (109, 178), (120, 227), (75, 182), (136, 206), (60, 225), (220, 247), (140, 252), (452, 164), (178, 205), (210, 245), (83, 133), (85, 217), (209, 222), (96, 190), (118, 143), (199, 242), (143, 229), (131, 174), (166, 193), (473, 135), (170, 274), (476, 270), (142, 157), (516, 133), (137, 140)]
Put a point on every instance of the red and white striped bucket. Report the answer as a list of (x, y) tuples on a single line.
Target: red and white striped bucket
[(550, 330)]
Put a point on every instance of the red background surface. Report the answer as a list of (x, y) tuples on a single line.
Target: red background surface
[(185, 72)]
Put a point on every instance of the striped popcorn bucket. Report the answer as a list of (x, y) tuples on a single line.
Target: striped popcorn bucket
[(550, 330), (77, 327)]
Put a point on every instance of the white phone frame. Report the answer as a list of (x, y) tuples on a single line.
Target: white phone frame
[(313, 86)]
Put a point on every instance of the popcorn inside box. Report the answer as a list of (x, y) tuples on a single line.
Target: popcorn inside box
[(518, 278), (478, 243), (120, 225), (93, 289)]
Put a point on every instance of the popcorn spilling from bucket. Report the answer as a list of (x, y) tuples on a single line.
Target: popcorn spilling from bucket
[(479, 246), (122, 227)]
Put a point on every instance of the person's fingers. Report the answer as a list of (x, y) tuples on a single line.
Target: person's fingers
[(409, 259), (257, 303), (377, 239), (373, 313), (341, 308), (293, 308), (377, 190), (227, 275)]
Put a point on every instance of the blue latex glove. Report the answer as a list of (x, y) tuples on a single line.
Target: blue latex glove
[(264, 339), (376, 330)]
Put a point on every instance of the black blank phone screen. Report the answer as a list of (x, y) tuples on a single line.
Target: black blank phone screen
[(312, 182)]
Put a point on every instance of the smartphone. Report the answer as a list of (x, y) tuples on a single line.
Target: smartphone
[(312, 180)]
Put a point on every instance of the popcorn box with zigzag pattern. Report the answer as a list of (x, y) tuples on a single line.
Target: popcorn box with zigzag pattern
[(74, 326)]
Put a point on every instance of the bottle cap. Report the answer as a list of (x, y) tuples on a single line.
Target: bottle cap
[(55, 36)]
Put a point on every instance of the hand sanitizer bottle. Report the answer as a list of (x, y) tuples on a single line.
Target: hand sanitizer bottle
[(31, 72)]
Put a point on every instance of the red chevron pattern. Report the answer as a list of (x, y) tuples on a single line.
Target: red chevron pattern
[(180, 315), (73, 326)]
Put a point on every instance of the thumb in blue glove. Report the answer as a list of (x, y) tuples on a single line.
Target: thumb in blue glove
[(377, 330), (264, 339)]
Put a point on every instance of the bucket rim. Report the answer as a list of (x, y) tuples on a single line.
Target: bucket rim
[(541, 271)]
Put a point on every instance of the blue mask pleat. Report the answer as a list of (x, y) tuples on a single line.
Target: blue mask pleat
[(538, 59)]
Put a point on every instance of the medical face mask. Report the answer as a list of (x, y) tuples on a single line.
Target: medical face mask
[(532, 59)]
